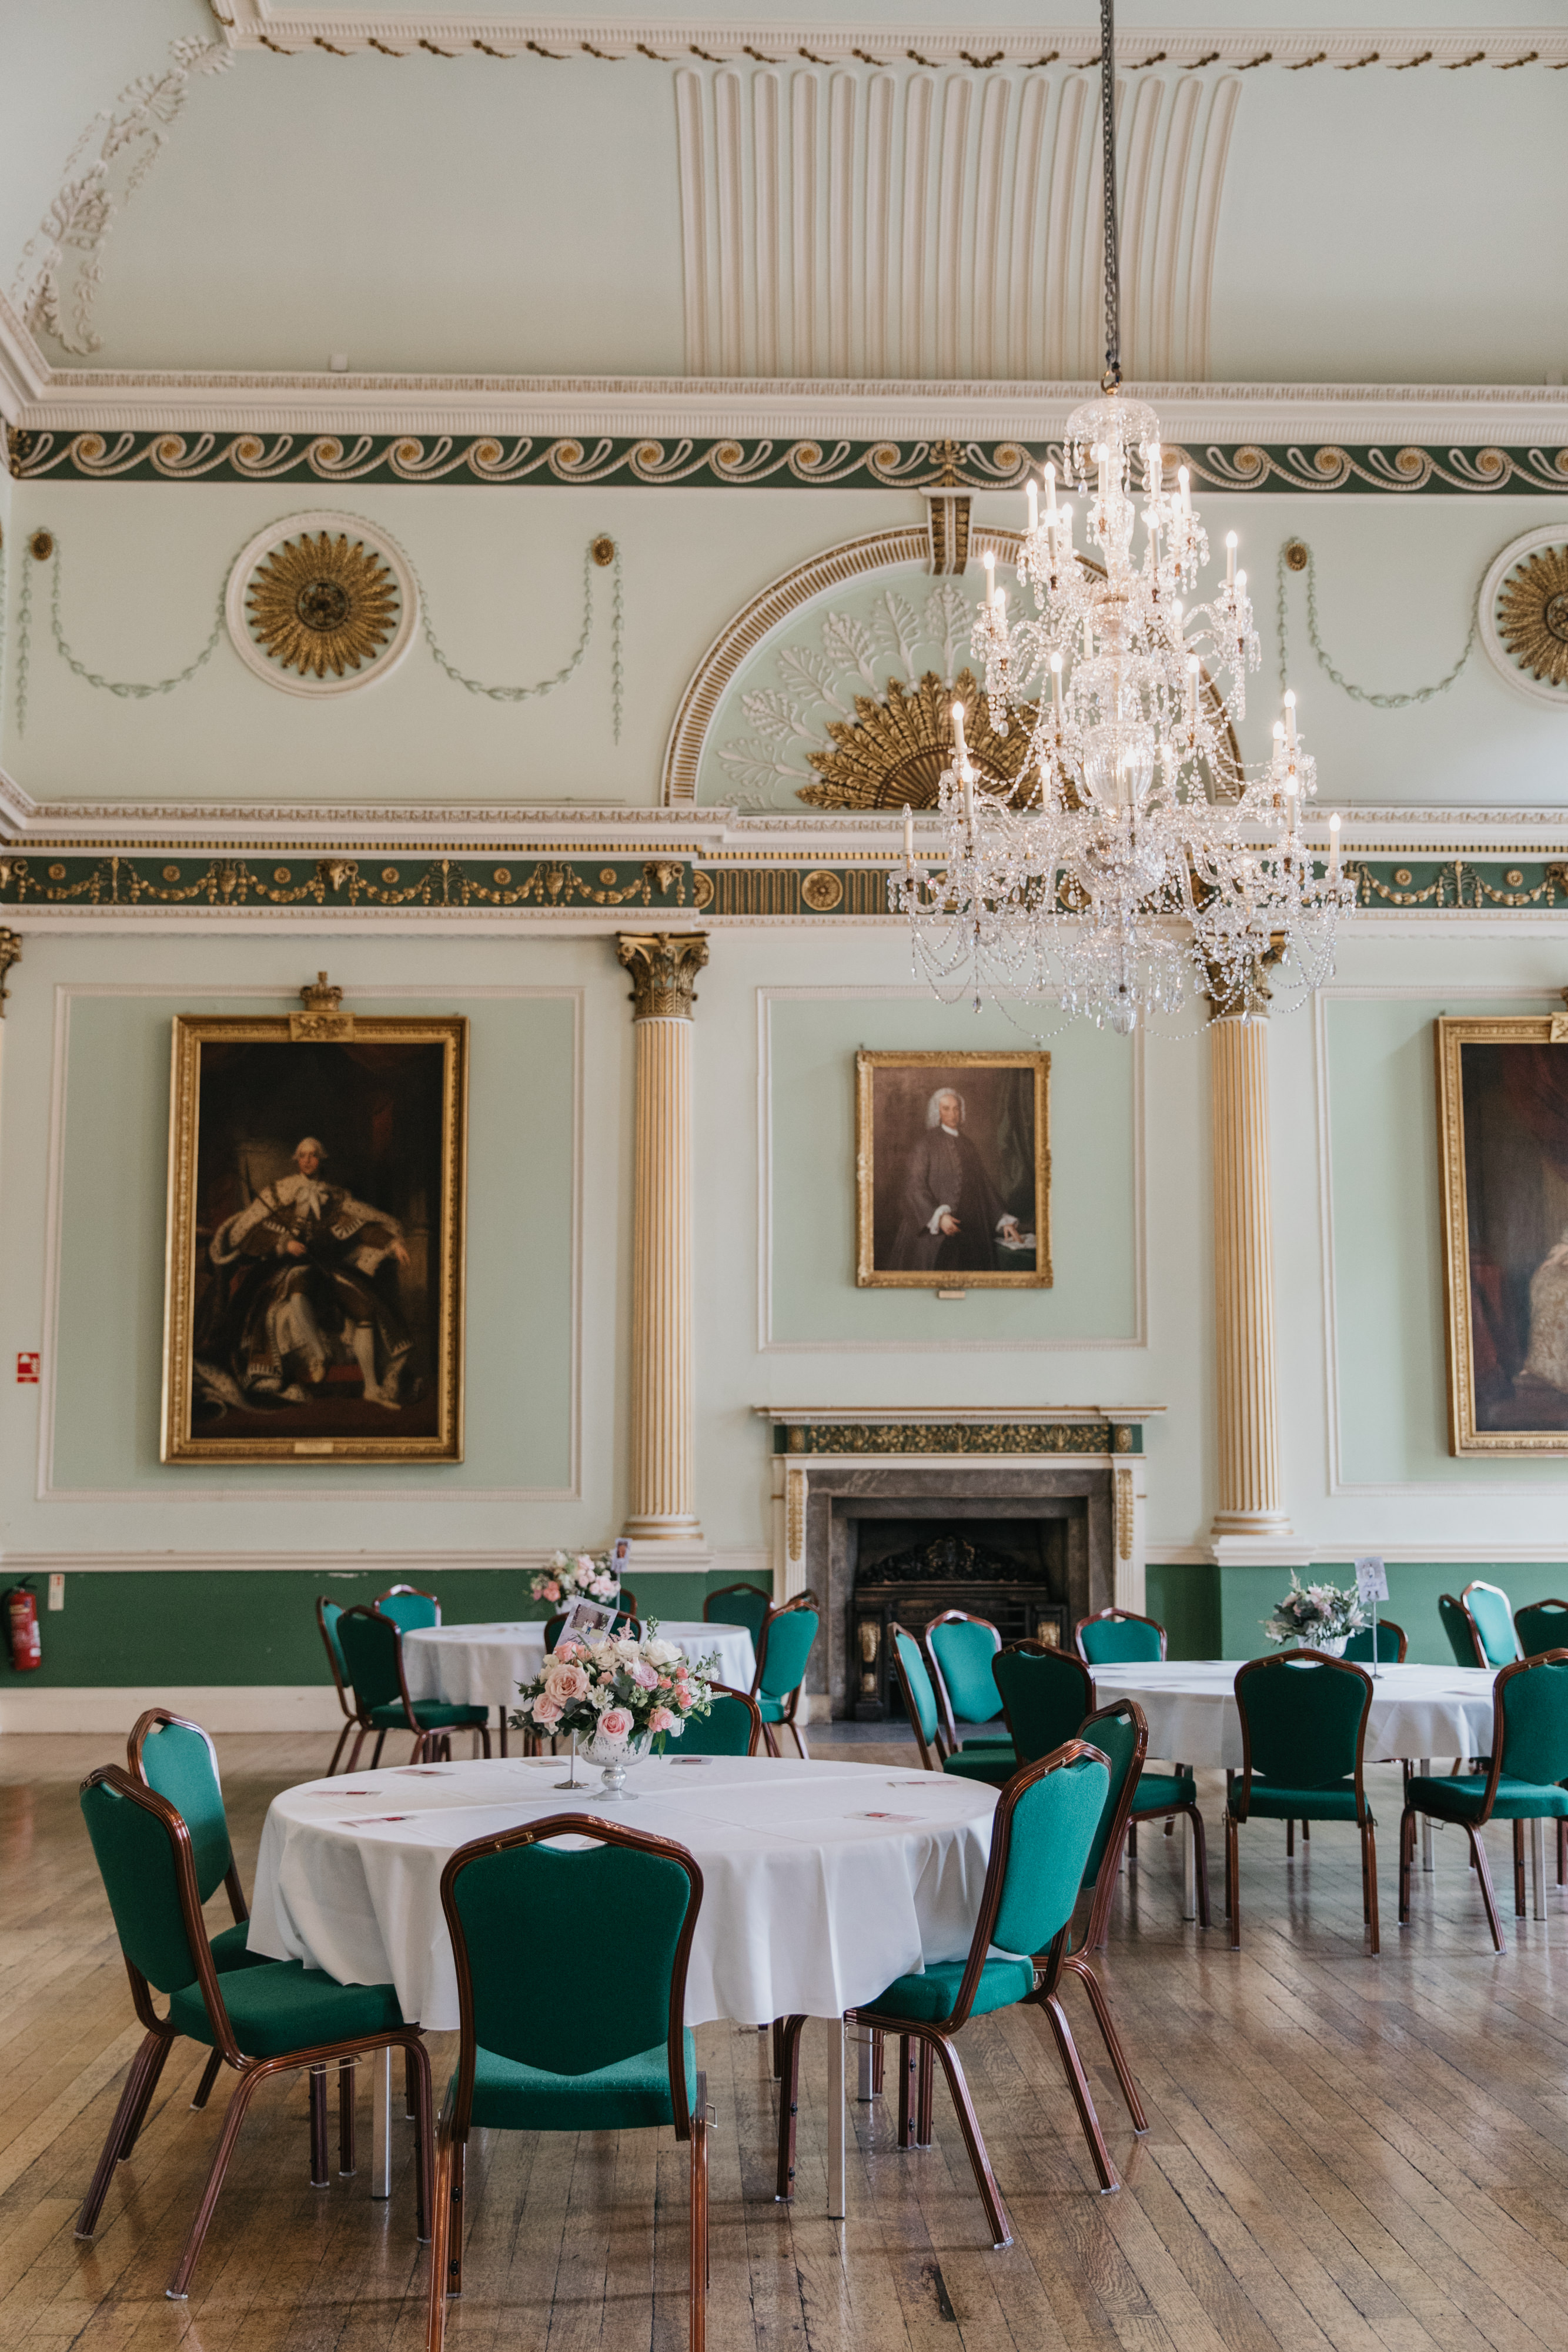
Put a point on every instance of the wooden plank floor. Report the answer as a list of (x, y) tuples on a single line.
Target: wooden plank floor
[(1342, 2152)]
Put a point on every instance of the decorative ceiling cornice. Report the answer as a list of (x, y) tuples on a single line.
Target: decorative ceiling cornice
[(504, 33)]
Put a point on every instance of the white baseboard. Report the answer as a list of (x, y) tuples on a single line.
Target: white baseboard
[(113, 1707)]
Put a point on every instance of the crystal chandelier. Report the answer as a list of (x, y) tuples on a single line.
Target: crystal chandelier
[(1133, 852)]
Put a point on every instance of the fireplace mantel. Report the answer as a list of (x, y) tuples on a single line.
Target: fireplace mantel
[(829, 1460)]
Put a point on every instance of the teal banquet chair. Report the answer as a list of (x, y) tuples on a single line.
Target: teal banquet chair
[(739, 1604), (732, 1727), (372, 1651), (326, 1615), (1116, 1637), (919, 1695), (1542, 1625), (1121, 1734), (962, 1650), (1045, 1693), (1303, 1740), (1459, 1626), (1523, 1781), (410, 1611), (262, 2021), (788, 1634), (1492, 1616), (1392, 1645), (611, 2053), (1042, 1832)]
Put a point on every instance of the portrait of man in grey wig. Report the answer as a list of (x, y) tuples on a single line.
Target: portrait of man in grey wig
[(952, 1216)]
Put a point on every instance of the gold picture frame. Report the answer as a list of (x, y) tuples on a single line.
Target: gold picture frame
[(314, 1301), (1503, 1144), (997, 1155)]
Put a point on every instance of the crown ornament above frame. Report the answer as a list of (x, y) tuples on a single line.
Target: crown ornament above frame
[(321, 1023)]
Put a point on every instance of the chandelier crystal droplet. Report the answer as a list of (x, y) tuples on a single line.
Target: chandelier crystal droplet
[(1134, 853)]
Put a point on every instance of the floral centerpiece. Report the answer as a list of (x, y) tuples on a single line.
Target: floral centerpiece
[(576, 1576), (1318, 1616), (617, 1695)]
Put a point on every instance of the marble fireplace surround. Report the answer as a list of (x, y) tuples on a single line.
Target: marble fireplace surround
[(834, 1465)]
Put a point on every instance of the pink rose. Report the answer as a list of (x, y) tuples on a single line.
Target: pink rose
[(663, 1720), (585, 1562), (565, 1649), (615, 1723), (550, 1591), (643, 1674), (565, 1683), (546, 1710)]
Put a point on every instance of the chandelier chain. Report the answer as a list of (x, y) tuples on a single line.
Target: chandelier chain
[(1108, 160), (1356, 693)]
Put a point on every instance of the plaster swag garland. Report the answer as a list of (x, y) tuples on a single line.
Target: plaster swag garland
[(616, 1694), (1316, 1616), (575, 1575)]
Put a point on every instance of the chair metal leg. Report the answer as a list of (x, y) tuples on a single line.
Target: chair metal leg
[(347, 2167), (1078, 2084), (1099, 2001), (244, 2089), (423, 2140), (410, 2085), (485, 1740), (1562, 1850), (909, 2090), (1479, 1863), (1406, 1857), (878, 2062), (376, 1754), (146, 2068), (361, 1733), (1519, 1870), (1289, 1841), (1199, 1860), (1306, 1833), (777, 2049), (980, 2163), (789, 2102), (342, 1742), (133, 2132), (925, 2085), (1233, 1881), (1369, 1867), (798, 1737), (445, 2226), (699, 2245), (320, 2176), (209, 2076)]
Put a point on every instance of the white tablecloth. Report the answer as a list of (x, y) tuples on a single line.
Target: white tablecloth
[(1416, 1711), (821, 1881), (481, 1666)]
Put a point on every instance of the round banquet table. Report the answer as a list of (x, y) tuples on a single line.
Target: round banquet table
[(481, 1666), (1190, 1704), (821, 1881)]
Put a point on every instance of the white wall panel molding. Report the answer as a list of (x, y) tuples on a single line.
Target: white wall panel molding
[(1537, 1496), (767, 1345), (934, 37), (907, 200), (171, 1492)]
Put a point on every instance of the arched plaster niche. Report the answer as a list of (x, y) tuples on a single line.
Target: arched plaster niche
[(860, 624), (836, 628)]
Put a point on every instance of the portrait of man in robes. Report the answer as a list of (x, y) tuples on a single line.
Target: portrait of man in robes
[(953, 1170), (315, 1237)]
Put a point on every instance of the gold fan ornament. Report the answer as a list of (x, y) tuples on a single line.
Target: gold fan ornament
[(1533, 614), (894, 750)]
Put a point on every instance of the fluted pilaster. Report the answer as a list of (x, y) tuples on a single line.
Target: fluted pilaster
[(662, 966), (1250, 1503)]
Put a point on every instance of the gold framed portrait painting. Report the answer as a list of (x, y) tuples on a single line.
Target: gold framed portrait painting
[(313, 1302), (953, 1170), (1502, 1125)]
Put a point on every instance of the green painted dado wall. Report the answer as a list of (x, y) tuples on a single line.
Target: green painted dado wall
[(1218, 1613), (144, 1628)]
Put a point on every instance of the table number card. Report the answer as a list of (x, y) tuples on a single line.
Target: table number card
[(1371, 1579)]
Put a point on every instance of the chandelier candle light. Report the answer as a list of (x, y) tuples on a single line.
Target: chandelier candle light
[(1132, 852)]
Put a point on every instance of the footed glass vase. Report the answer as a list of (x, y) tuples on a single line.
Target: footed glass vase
[(615, 1759)]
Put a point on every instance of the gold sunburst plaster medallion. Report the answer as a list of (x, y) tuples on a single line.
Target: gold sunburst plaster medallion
[(320, 603), (1533, 614), (894, 751)]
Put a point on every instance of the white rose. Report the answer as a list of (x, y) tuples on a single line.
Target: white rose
[(661, 1653)]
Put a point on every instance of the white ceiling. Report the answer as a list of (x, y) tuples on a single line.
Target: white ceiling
[(529, 216)]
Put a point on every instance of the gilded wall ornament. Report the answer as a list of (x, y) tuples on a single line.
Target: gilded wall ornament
[(664, 966), (321, 603), (1524, 615), (894, 750)]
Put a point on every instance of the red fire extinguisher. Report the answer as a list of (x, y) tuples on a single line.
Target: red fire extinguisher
[(22, 1622)]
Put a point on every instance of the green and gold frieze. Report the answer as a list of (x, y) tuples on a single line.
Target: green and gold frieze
[(723, 461), (208, 880), (957, 1437)]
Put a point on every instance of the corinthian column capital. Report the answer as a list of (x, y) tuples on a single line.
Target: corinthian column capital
[(664, 966)]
